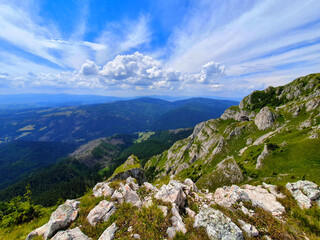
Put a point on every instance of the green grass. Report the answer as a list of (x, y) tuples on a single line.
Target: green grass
[(21, 231), (125, 167)]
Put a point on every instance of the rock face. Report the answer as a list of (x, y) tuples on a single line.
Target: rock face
[(172, 193), (265, 119), (258, 195), (217, 225), (227, 172), (262, 156), (102, 189), (101, 212), (136, 173), (305, 193), (109, 232), (60, 219), (72, 234)]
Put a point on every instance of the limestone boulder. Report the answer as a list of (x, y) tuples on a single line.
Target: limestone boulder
[(217, 225), (261, 197), (130, 195), (62, 217), (177, 223), (101, 212), (172, 193), (306, 193), (71, 234), (265, 118), (108, 234), (102, 189), (249, 229)]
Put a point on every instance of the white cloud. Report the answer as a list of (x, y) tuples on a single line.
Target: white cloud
[(135, 71), (247, 37), (89, 68)]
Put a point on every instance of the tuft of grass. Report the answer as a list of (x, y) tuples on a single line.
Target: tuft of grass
[(149, 222)]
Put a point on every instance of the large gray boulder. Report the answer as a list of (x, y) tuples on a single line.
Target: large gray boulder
[(227, 196), (60, 219), (261, 197), (265, 118), (108, 234), (258, 195), (130, 195), (102, 189), (72, 234), (172, 193), (38, 232), (101, 212), (305, 193), (217, 225)]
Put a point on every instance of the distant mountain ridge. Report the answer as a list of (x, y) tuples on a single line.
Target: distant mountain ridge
[(84, 123)]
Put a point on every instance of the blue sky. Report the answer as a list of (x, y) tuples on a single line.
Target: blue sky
[(141, 47)]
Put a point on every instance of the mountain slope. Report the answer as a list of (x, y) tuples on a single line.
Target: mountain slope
[(92, 162), (85, 123), (273, 136), (21, 157)]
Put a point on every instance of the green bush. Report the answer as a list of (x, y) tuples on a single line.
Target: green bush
[(19, 210)]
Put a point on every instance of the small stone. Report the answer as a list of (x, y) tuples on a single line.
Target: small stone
[(164, 209), (249, 229), (191, 213), (136, 236)]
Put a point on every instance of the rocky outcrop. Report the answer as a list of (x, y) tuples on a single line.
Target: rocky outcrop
[(172, 193), (259, 196), (306, 193), (60, 219), (191, 184), (227, 172), (177, 224), (108, 234), (136, 173), (101, 212), (217, 225), (71, 234), (130, 195), (102, 189), (238, 115), (265, 118), (262, 156)]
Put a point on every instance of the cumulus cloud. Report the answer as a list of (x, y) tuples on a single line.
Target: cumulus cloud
[(134, 71), (89, 68)]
